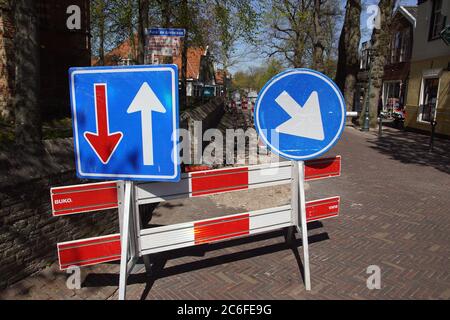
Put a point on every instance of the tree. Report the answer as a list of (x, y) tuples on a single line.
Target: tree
[(318, 45), (143, 24), (234, 20), (26, 42), (302, 32), (380, 49), (289, 31), (256, 78), (98, 26), (348, 60)]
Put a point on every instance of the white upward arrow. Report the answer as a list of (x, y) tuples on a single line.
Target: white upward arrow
[(145, 102), (305, 121)]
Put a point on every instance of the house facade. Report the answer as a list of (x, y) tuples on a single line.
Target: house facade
[(397, 67), (428, 97), (202, 81), (55, 58), (200, 73)]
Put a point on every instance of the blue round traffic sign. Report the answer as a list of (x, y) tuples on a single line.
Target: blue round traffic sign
[(300, 114)]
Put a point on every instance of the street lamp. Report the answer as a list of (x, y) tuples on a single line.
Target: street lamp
[(366, 123)]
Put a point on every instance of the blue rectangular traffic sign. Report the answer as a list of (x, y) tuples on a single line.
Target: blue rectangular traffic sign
[(125, 122), (169, 32)]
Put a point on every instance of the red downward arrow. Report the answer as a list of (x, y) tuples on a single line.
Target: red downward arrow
[(103, 143)]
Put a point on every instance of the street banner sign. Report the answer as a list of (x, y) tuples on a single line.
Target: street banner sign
[(300, 114), (83, 198), (125, 122), (163, 42), (169, 32)]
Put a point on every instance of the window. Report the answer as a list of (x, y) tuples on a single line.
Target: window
[(391, 96), (428, 99), (400, 46), (197, 90), (438, 21)]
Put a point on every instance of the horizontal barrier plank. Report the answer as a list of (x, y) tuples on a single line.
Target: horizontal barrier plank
[(103, 195), (89, 251), (188, 234), (210, 230), (233, 179), (83, 198), (215, 181), (107, 248)]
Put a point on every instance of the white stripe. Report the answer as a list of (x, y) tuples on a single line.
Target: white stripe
[(182, 234), (269, 175), (259, 176), (273, 217), (167, 238)]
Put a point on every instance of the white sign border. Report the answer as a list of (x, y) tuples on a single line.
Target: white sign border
[(275, 80), (174, 122)]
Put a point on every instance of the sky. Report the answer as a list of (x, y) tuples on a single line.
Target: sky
[(252, 58)]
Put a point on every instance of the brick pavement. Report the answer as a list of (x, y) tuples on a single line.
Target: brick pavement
[(395, 213)]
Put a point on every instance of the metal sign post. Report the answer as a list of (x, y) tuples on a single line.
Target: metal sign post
[(299, 180), (129, 254)]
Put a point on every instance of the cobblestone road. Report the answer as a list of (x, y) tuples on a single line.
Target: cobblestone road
[(395, 214)]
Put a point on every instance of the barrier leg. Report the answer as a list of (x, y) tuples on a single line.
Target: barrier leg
[(299, 214), (147, 264), (294, 203), (290, 235), (125, 240)]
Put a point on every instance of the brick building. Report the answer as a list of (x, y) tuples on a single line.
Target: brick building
[(60, 48), (396, 69), (428, 97)]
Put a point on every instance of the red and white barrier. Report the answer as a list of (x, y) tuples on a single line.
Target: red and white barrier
[(133, 241)]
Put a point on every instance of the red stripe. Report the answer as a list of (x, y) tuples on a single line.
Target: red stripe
[(89, 251), (222, 228), (321, 209), (84, 198), (219, 181), (84, 187), (322, 168)]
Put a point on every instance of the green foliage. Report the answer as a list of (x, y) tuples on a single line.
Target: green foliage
[(235, 20), (256, 78)]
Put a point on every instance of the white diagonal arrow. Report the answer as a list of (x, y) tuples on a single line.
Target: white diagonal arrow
[(305, 121), (145, 102)]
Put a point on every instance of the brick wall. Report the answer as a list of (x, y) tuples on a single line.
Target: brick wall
[(28, 232)]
